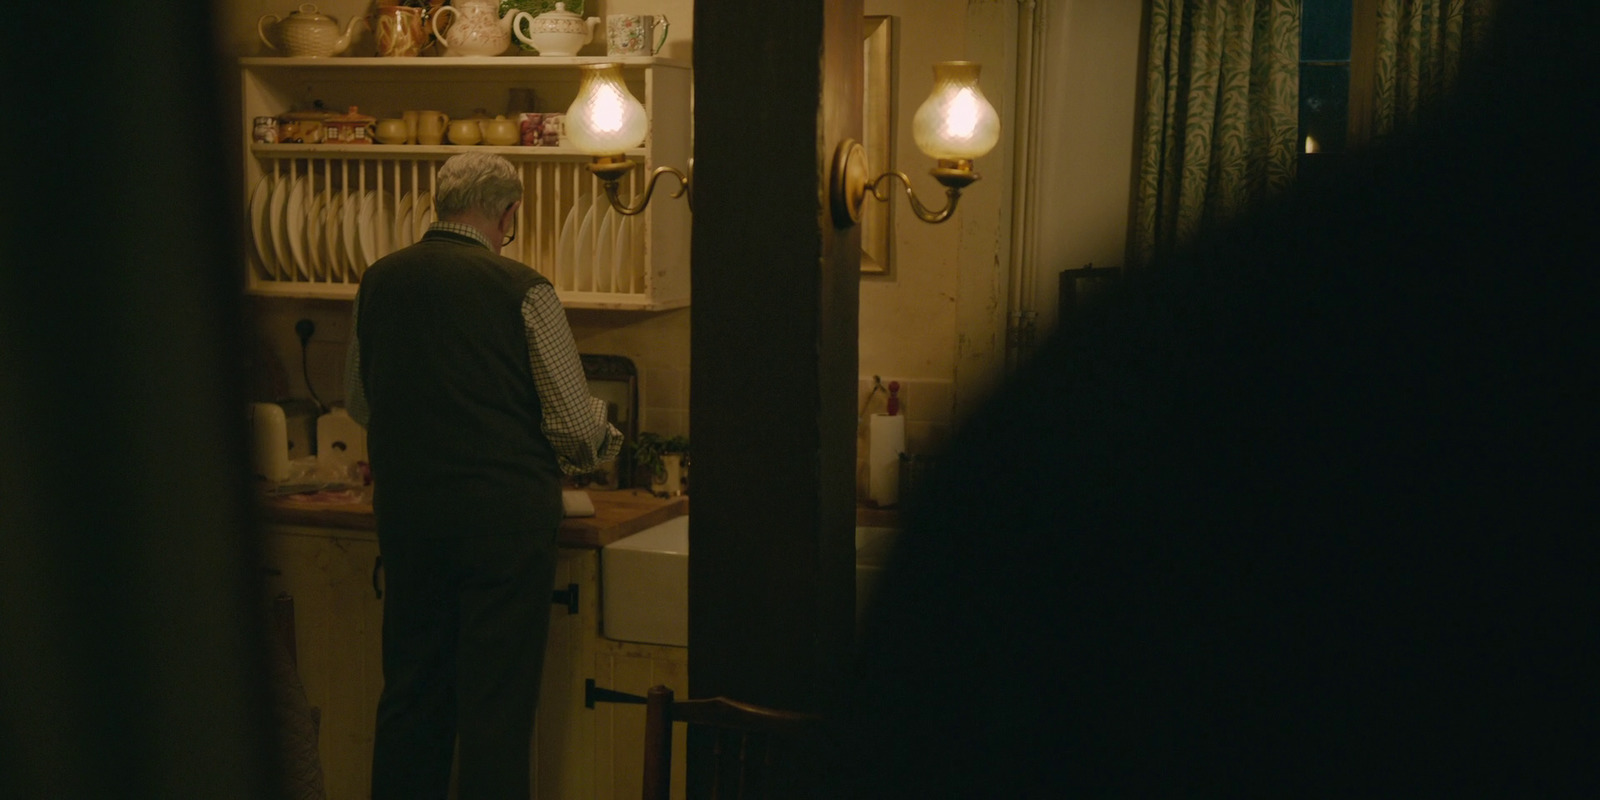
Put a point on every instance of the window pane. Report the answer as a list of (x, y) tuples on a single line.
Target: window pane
[(1324, 107), (1325, 30)]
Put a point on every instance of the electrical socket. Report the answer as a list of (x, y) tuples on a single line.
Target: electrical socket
[(305, 328)]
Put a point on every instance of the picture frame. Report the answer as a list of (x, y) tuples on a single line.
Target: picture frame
[(877, 139)]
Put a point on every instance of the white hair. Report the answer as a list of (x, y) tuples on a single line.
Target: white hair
[(475, 181)]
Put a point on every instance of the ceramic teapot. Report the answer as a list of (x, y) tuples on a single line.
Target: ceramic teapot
[(306, 33), (464, 131), (500, 131), (477, 29), (556, 33)]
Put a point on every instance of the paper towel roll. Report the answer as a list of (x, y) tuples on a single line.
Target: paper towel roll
[(887, 440)]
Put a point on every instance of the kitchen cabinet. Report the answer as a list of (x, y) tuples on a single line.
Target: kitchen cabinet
[(578, 752), (618, 754), (338, 621), (561, 765), (320, 213), (336, 584)]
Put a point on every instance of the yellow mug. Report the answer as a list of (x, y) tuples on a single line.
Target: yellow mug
[(430, 127)]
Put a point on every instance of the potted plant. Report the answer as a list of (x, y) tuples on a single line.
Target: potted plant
[(661, 462)]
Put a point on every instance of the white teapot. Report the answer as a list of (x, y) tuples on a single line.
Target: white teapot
[(306, 33), (556, 33), (478, 29)]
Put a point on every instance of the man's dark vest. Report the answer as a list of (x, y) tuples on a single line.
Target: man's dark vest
[(454, 437)]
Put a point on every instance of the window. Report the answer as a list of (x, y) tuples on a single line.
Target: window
[(1324, 75), (1337, 55)]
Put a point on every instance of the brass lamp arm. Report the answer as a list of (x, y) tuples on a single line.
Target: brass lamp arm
[(877, 186), (610, 172), (849, 185)]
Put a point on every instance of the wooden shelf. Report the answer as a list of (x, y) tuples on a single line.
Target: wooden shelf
[(405, 150), (456, 62)]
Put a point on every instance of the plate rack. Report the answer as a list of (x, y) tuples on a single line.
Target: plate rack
[(319, 214), (316, 224)]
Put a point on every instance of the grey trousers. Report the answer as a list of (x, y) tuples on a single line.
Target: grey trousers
[(464, 628)]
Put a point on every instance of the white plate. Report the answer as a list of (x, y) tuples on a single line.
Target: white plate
[(405, 230), (316, 208), (605, 256), (283, 266), (624, 255), (383, 225), (583, 256), (332, 250), (350, 237), (258, 222), (370, 227), (425, 219), (567, 247), (294, 224), (366, 242)]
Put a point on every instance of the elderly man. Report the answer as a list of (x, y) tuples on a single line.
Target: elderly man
[(463, 369)]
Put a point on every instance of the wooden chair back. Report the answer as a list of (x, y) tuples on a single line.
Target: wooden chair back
[(749, 742)]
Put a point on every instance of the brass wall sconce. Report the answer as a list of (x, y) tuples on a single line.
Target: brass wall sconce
[(604, 121), (955, 125)]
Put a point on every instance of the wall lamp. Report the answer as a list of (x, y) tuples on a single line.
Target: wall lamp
[(955, 125), (604, 121)]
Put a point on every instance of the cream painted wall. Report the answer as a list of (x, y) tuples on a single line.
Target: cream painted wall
[(908, 319), (1085, 169)]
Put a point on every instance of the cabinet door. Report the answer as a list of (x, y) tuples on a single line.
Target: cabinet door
[(562, 762), (339, 635), (618, 753), (338, 638)]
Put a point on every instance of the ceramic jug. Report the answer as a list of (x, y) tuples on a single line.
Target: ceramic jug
[(307, 33), (431, 126), (399, 31), (477, 28), (556, 33)]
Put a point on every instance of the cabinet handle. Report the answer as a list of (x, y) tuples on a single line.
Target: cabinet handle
[(593, 694), (566, 597), (377, 569)]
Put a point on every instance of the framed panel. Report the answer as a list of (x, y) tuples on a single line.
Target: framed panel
[(877, 138)]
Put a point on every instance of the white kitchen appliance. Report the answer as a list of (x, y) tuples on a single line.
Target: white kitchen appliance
[(269, 442)]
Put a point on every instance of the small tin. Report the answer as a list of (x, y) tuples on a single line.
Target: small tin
[(301, 127), (531, 125), (553, 127), (266, 130), (350, 128)]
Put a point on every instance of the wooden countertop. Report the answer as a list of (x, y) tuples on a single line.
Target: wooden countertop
[(617, 513)]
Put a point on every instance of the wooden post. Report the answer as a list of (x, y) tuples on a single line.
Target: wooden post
[(773, 353)]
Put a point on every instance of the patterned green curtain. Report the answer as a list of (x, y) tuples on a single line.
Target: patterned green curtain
[(1421, 45), (1220, 122)]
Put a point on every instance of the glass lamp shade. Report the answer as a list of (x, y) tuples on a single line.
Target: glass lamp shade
[(605, 119), (956, 121)]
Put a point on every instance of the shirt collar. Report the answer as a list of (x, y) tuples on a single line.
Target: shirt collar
[(462, 230)]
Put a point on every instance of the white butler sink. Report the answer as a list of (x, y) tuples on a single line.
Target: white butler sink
[(644, 585), (644, 581)]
